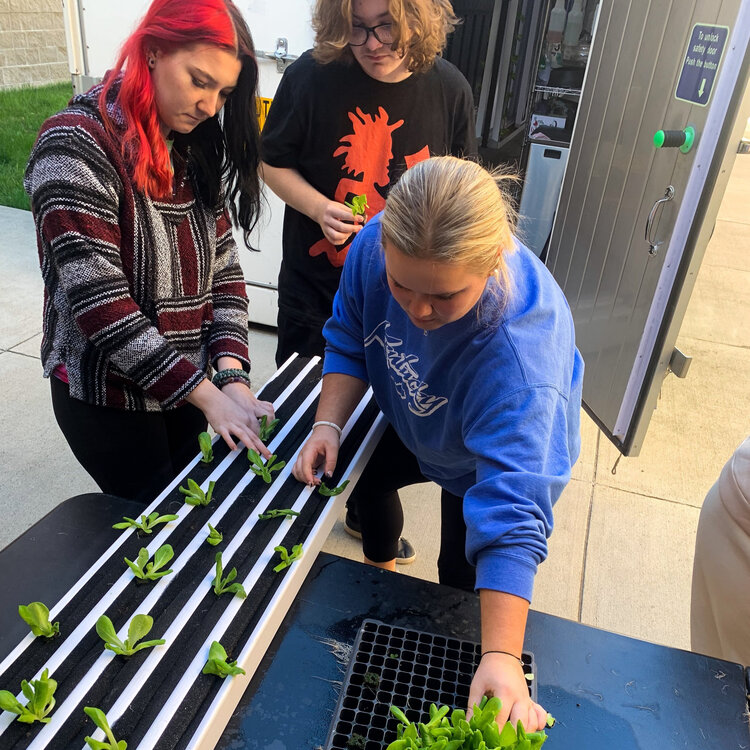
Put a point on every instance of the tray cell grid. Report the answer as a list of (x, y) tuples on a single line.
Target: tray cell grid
[(405, 668)]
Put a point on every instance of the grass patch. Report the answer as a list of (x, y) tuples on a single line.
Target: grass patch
[(23, 112)]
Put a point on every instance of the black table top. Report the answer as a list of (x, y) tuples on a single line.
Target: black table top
[(606, 690)]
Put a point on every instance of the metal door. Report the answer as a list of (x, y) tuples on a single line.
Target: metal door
[(655, 64)]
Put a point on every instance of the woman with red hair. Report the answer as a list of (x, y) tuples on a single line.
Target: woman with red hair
[(132, 187)]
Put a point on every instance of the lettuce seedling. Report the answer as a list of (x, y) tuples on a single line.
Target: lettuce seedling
[(194, 495), (332, 491), (264, 469), (147, 523), (277, 513), (224, 585), (266, 429), (287, 558), (100, 719), (214, 536), (39, 695), (217, 662), (150, 571), (207, 448), (358, 205), (36, 616), (455, 732), (140, 626)]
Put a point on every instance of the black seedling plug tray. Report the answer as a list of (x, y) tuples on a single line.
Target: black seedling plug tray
[(407, 668)]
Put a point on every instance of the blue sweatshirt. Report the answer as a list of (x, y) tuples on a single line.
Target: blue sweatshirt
[(489, 404)]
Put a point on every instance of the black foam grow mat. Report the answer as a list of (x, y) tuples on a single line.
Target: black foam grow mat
[(411, 669)]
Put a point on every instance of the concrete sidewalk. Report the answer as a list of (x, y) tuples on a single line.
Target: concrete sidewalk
[(621, 554)]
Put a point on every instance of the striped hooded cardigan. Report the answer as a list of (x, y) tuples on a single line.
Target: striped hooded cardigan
[(141, 296)]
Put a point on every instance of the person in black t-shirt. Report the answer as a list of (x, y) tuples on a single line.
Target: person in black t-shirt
[(372, 98)]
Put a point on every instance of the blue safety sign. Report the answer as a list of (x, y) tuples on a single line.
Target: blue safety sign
[(702, 61)]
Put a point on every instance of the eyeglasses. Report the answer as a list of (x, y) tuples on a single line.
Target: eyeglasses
[(360, 34)]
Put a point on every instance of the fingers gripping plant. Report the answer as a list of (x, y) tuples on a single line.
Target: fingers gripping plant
[(147, 523), (36, 615), (150, 571), (264, 469), (217, 662), (194, 495), (140, 626), (224, 585), (40, 701), (100, 719)]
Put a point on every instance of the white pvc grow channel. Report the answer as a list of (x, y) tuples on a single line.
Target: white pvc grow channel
[(159, 697)]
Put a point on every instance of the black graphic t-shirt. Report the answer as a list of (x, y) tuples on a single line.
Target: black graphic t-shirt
[(348, 134)]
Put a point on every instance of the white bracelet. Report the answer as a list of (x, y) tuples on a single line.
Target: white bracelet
[(327, 424)]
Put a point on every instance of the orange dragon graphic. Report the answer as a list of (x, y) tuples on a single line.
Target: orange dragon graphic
[(368, 151)]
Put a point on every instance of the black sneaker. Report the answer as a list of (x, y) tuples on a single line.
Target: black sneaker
[(405, 555)]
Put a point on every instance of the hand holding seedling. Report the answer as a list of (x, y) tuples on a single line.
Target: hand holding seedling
[(337, 222), (502, 676), (233, 412), (317, 456)]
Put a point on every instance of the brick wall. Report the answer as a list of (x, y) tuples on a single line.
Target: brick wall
[(32, 43)]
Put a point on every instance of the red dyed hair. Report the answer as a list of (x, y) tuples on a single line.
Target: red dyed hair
[(167, 25)]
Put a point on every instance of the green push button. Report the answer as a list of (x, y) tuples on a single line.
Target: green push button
[(682, 139)]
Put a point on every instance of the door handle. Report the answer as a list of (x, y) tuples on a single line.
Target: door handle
[(653, 245), (280, 55)]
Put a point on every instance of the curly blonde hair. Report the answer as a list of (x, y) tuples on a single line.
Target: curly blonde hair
[(420, 30), (454, 211)]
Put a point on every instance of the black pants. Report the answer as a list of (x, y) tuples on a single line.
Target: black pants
[(381, 517), (306, 340), (131, 454)]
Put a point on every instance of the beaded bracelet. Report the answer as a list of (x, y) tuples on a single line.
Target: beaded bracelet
[(507, 653), (234, 379), (324, 423), (222, 377)]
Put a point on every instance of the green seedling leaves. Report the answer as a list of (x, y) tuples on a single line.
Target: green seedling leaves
[(140, 626), (39, 696), (194, 495), (224, 585), (332, 491), (266, 429), (207, 448), (277, 513), (358, 205), (264, 469), (36, 616), (217, 662), (214, 536), (150, 571), (454, 732), (100, 719), (147, 523), (287, 558)]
